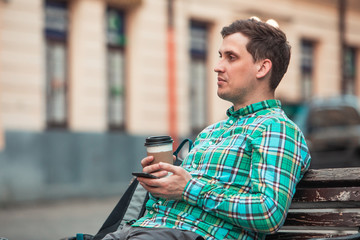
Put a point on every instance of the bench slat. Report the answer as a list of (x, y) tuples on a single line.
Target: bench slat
[(323, 219), (339, 194), (300, 236), (331, 176)]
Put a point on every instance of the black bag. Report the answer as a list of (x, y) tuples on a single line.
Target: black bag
[(130, 207)]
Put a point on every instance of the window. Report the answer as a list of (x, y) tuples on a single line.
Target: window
[(198, 89), (115, 68), (56, 24), (350, 70), (307, 67)]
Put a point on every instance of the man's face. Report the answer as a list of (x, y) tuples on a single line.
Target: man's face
[(236, 71)]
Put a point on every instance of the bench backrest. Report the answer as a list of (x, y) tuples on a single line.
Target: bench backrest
[(326, 203)]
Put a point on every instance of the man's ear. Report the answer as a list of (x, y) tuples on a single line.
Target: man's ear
[(263, 68)]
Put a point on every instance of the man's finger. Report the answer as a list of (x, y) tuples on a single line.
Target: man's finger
[(147, 161), (167, 167), (151, 168), (160, 173)]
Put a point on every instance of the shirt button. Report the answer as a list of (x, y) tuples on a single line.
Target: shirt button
[(231, 121), (151, 212), (160, 202)]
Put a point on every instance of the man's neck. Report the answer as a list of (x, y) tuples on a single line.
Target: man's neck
[(258, 98)]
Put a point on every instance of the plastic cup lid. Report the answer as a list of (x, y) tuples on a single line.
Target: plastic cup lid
[(158, 140)]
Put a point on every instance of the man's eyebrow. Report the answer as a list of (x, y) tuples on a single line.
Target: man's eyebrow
[(229, 52)]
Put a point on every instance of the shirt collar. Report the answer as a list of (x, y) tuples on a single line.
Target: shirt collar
[(252, 108)]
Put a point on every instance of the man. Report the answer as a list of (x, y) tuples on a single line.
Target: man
[(238, 180)]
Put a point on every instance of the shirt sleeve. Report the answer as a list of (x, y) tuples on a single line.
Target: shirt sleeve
[(278, 161)]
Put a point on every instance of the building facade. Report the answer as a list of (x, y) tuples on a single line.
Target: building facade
[(83, 82)]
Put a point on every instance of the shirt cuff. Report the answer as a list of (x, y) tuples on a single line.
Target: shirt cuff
[(152, 197), (193, 191)]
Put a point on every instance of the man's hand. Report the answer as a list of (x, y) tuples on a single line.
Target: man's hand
[(147, 161), (167, 187)]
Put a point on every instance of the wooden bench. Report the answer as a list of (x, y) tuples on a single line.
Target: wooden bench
[(326, 205)]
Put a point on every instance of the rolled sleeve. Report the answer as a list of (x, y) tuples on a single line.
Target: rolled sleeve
[(193, 191)]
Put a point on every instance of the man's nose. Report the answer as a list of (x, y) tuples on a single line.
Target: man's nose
[(219, 67)]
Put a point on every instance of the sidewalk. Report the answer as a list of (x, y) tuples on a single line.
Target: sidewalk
[(52, 221)]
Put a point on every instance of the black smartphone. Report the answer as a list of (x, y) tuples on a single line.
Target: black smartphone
[(145, 175)]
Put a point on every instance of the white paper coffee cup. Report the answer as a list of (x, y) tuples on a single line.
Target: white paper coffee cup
[(161, 147)]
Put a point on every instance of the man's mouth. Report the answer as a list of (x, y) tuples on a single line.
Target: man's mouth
[(220, 80)]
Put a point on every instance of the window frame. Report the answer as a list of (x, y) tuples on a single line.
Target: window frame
[(116, 47), (53, 38), (307, 66), (198, 56)]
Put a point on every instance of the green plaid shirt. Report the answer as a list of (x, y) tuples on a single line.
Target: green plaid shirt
[(244, 173)]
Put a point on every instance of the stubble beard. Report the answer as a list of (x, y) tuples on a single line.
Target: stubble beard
[(237, 99)]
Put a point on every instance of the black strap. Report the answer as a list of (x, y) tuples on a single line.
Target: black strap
[(182, 144), (112, 222), (178, 161)]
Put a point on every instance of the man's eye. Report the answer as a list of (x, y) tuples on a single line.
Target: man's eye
[(231, 57)]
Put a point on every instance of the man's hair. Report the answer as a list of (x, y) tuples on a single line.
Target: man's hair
[(265, 42)]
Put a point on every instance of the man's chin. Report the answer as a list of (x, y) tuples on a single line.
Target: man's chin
[(222, 95)]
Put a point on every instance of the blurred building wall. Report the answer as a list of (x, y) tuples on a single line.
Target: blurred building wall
[(22, 65), (87, 66), (40, 161), (1, 125)]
